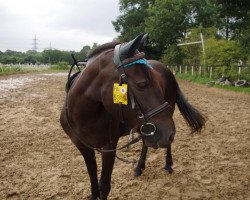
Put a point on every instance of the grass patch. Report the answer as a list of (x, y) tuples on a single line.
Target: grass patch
[(194, 78), (16, 69), (233, 88), (22, 69), (205, 80)]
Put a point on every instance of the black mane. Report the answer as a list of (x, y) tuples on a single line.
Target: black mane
[(102, 48)]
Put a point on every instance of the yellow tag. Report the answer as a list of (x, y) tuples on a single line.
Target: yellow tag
[(120, 93)]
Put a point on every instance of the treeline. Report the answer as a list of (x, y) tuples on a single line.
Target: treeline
[(224, 24), (48, 56)]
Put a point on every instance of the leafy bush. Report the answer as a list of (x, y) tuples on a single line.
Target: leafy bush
[(60, 66), (224, 56)]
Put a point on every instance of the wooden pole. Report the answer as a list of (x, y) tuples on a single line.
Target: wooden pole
[(211, 71), (239, 72), (192, 70)]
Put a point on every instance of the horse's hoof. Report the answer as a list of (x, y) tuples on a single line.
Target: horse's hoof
[(93, 198), (169, 169), (143, 166), (138, 173), (103, 198)]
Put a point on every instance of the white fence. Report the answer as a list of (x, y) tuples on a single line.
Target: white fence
[(28, 65), (197, 70), (22, 67)]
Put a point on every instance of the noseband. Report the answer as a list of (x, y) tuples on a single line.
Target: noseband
[(143, 117), (135, 105)]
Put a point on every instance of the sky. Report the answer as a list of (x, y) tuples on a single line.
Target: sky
[(59, 24)]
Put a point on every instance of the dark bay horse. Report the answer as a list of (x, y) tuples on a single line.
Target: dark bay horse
[(120, 90)]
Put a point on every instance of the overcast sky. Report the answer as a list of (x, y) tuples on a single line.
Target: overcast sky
[(66, 24)]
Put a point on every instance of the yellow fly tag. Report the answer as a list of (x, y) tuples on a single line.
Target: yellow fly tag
[(120, 93)]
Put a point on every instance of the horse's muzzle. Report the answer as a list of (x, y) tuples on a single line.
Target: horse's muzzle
[(150, 134), (148, 129), (154, 137)]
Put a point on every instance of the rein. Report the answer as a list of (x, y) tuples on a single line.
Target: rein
[(144, 118), (100, 150), (139, 59)]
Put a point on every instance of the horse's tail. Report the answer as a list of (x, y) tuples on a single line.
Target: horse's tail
[(192, 116)]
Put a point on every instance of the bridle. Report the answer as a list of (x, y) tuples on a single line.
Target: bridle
[(143, 117)]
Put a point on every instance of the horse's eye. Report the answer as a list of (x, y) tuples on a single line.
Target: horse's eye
[(142, 84)]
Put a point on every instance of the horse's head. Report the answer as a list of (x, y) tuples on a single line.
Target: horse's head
[(147, 109)]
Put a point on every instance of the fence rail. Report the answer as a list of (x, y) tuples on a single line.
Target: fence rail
[(198, 70)]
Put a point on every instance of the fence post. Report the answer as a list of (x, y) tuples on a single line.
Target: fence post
[(211, 71), (199, 70), (173, 70), (239, 72), (180, 69), (192, 70), (186, 69)]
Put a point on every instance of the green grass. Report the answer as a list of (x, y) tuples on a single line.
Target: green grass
[(7, 70), (233, 88), (194, 78), (16, 69), (205, 80)]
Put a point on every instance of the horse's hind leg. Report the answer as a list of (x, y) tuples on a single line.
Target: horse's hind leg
[(169, 160), (141, 163)]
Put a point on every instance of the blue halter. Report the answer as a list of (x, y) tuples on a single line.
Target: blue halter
[(142, 61)]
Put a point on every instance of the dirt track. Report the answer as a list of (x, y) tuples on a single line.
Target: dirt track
[(38, 161)]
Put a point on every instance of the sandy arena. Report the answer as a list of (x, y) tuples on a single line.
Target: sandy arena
[(38, 161)]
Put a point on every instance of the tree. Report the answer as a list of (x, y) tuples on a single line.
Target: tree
[(233, 17), (172, 56), (244, 37), (84, 51), (54, 56), (132, 21), (224, 55), (169, 20)]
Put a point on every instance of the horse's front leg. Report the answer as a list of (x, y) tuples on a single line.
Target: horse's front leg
[(169, 160), (108, 159), (141, 163), (90, 160)]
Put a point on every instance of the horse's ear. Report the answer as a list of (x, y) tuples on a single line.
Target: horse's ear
[(128, 49), (143, 40), (135, 44)]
